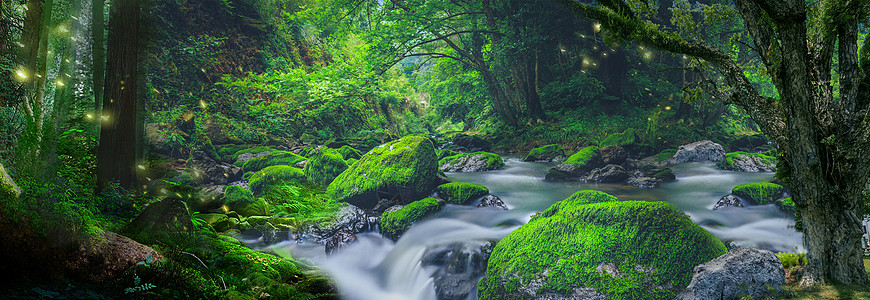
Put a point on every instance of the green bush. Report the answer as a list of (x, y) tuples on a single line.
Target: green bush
[(461, 193), (304, 204), (269, 177), (790, 260), (394, 224)]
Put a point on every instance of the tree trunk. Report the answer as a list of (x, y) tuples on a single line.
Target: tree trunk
[(116, 155), (97, 52)]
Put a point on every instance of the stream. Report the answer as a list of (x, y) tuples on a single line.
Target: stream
[(377, 268)]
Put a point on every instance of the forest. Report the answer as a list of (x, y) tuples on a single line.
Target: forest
[(434, 149)]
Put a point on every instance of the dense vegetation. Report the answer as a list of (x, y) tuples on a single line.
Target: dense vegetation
[(183, 124)]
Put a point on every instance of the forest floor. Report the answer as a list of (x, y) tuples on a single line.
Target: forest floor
[(836, 291)]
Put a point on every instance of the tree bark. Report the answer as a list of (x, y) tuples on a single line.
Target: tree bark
[(98, 51), (116, 155)]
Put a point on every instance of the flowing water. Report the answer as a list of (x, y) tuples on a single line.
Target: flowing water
[(377, 268)]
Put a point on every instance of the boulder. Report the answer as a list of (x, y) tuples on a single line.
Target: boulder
[(608, 174), (461, 193), (491, 201), (208, 171), (748, 162), (324, 165), (274, 158), (760, 193), (703, 151), (339, 240), (243, 157), (727, 201), (243, 202), (644, 182), (613, 154), (577, 165), (471, 162), (405, 170), (349, 219), (348, 152), (271, 177), (546, 153), (592, 246), (209, 197), (395, 223), (472, 142), (743, 271), (458, 266), (161, 219), (786, 205)]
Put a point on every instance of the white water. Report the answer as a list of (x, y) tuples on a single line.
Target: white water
[(375, 268)]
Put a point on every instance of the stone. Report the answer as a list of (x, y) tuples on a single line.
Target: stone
[(613, 154), (743, 271), (159, 220), (576, 166), (458, 267), (471, 162), (644, 182), (545, 154), (608, 174), (339, 240), (749, 162), (206, 170), (249, 156), (349, 219), (703, 151), (727, 201), (491, 201)]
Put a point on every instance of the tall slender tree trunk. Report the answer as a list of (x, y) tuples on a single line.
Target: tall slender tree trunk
[(98, 52), (116, 155)]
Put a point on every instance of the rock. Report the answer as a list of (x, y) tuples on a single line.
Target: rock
[(161, 219), (577, 165), (786, 205), (727, 201), (608, 174), (405, 170), (274, 158), (394, 224), (208, 171), (743, 271), (491, 201), (703, 151), (301, 164), (243, 202), (210, 197), (546, 153), (266, 179), (348, 152), (760, 193), (613, 154), (644, 182), (471, 162), (349, 219), (324, 165), (107, 256), (459, 265), (461, 193), (339, 240), (220, 222), (748, 162), (472, 142), (592, 246), (250, 156)]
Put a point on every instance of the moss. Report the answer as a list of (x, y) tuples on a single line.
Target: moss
[(583, 157), (493, 161), (623, 249), (394, 224), (348, 152), (786, 205), (262, 181), (728, 163), (548, 152), (228, 152), (407, 164), (624, 138), (442, 153), (461, 193), (324, 165), (8, 188), (665, 155), (274, 158), (351, 161), (759, 193)]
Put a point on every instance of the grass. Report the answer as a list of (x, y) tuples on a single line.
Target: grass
[(834, 291)]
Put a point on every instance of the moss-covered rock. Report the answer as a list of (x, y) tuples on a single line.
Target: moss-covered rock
[(471, 162), (748, 162), (442, 153), (394, 224), (274, 158), (351, 161), (324, 165), (461, 193), (576, 165), (348, 152), (592, 245), (759, 193), (545, 153), (786, 205), (242, 201), (584, 158), (406, 168), (622, 139), (265, 179), (8, 189)]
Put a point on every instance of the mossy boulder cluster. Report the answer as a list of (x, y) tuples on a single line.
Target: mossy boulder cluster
[(406, 169), (471, 162), (546, 153), (592, 246), (576, 165), (395, 223), (748, 162), (461, 193), (324, 165)]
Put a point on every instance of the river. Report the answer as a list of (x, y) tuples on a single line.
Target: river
[(377, 268)]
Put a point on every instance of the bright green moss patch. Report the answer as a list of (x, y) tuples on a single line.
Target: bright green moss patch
[(759, 193), (265, 179), (786, 205), (665, 155), (461, 192), (620, 139), (324, 165), (242, 201), (582, 157), (548, 152), (228, 152), (351, 161), (348, 152), (274, 158), (407, 164), (394, 224), (622, 249), (493, 161), (728, 164)]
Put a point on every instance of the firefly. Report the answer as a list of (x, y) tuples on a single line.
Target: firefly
[(597, 27), (105, 118), (21, 74), (203, 104), (89, 116), (59, 83), (667, 108), (141, 167)]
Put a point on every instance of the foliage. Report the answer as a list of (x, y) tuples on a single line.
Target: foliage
[(264, 180), (620, 139), (759, 193), (394, 224), (461, 193), (324, 165), (547, 152), (790, 260), (274, 158), (303, 203)]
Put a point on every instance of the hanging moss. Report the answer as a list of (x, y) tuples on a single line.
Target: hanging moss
[(461, 193), (262, 181), (621, 249), (324, 165), (759, 193), (394, 224)]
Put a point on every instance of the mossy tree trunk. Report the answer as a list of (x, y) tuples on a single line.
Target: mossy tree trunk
[(821, 138)]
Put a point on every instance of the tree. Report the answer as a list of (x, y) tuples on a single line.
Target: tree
[(98, 50), (821, 132), (116, 154)]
